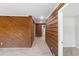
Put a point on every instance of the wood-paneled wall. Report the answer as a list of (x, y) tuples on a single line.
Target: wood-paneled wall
[(52, 30), (16, 31), (38, 29)]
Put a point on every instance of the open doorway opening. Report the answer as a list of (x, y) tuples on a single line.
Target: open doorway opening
[(71, 30)]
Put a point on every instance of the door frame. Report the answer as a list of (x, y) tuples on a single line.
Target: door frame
[(60, 30)]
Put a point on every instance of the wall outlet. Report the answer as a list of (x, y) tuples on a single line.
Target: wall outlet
[(51, 48), (1, 43)]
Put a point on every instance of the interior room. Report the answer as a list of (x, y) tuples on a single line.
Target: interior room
[(71, 30), (34, 29), (23, 29)]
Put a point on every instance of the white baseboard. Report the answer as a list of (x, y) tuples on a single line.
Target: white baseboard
[(69, 46)]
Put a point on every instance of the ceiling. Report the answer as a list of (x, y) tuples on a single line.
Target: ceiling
[(71, 10), (23, 9)]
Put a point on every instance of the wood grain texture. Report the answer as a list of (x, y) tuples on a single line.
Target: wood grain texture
[(52, 30), (38, 29), (16, 31)]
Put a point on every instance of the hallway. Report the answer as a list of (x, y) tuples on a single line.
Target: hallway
[(39, 48), (18, 30)]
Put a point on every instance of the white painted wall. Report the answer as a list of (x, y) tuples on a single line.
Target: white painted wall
[(69, 31), (77, 30), (71, 25)]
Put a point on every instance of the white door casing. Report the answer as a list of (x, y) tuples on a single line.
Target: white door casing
[(60, 30)]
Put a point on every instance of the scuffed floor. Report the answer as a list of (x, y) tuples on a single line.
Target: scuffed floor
[(39, 48)]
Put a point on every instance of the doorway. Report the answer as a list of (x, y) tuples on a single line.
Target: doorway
[(71, 30)]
